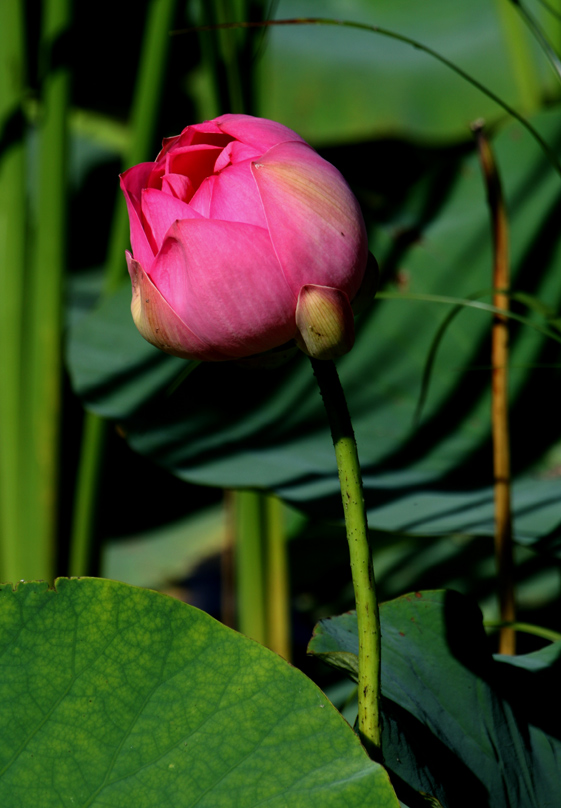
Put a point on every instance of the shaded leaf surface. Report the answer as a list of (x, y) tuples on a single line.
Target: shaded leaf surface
[(116, 696), (460, 724), (234, 427)]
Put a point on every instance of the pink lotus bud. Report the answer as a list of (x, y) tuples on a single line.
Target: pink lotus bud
[(243, 239)]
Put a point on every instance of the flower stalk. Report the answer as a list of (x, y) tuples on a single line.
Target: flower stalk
[(368, 618)]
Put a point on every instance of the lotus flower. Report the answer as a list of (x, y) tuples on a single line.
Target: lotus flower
[(243, 239)]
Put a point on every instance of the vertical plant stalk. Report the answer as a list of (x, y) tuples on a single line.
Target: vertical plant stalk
[(249, 517), (499, 407), (12, 273), (85, 494), (261, 569), (276, 579), (368, 618), (143, 122), (42, 370)]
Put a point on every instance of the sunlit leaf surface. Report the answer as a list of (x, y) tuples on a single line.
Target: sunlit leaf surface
[(117, 696)]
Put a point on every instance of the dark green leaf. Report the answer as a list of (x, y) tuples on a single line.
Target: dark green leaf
[(469, 728)]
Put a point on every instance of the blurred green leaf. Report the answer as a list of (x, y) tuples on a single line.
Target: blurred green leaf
[(460, 724), (332, 84), (122, 697)]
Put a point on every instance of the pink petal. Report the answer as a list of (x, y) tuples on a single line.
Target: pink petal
[(134, 179), (206, 132), (235, 152), (155, 178), (132, 182), (315, 221), (202, 199), (160, 211), (258, 132), (223, 279), (158, 322), (235, 197), (177, 185), (195, 162)]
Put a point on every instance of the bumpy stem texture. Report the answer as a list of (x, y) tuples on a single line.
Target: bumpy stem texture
[(369, 649)]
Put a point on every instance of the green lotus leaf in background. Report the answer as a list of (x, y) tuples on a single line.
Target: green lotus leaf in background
[(230, 426), (460, 724), (336, 84), (123, 697)]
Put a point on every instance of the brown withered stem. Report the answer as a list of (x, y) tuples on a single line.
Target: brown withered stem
[(499, 406)]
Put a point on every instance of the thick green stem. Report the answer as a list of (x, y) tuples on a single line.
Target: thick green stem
[(42, 346), (13, 239), (368, 618)]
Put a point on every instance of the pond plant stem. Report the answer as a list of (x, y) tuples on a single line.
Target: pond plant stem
[(368, 618), (499, 401)]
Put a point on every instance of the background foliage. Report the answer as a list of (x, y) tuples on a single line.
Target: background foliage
[(133, 487)]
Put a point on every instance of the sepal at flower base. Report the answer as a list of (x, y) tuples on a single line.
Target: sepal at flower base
[(325, 322)]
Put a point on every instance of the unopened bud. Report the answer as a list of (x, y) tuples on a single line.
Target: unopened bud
[(325, 322)]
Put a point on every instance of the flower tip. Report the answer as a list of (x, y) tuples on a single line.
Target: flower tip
[(325, 322)]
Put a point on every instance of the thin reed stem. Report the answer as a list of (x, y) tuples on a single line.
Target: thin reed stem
[(499, 407)]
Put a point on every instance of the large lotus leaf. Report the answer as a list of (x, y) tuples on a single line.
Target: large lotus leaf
[(469, 728), (117, 696), (232, 426), (332, 83)]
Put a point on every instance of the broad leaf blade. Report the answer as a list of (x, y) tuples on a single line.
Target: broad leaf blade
[(458, 723), (117, 696)]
